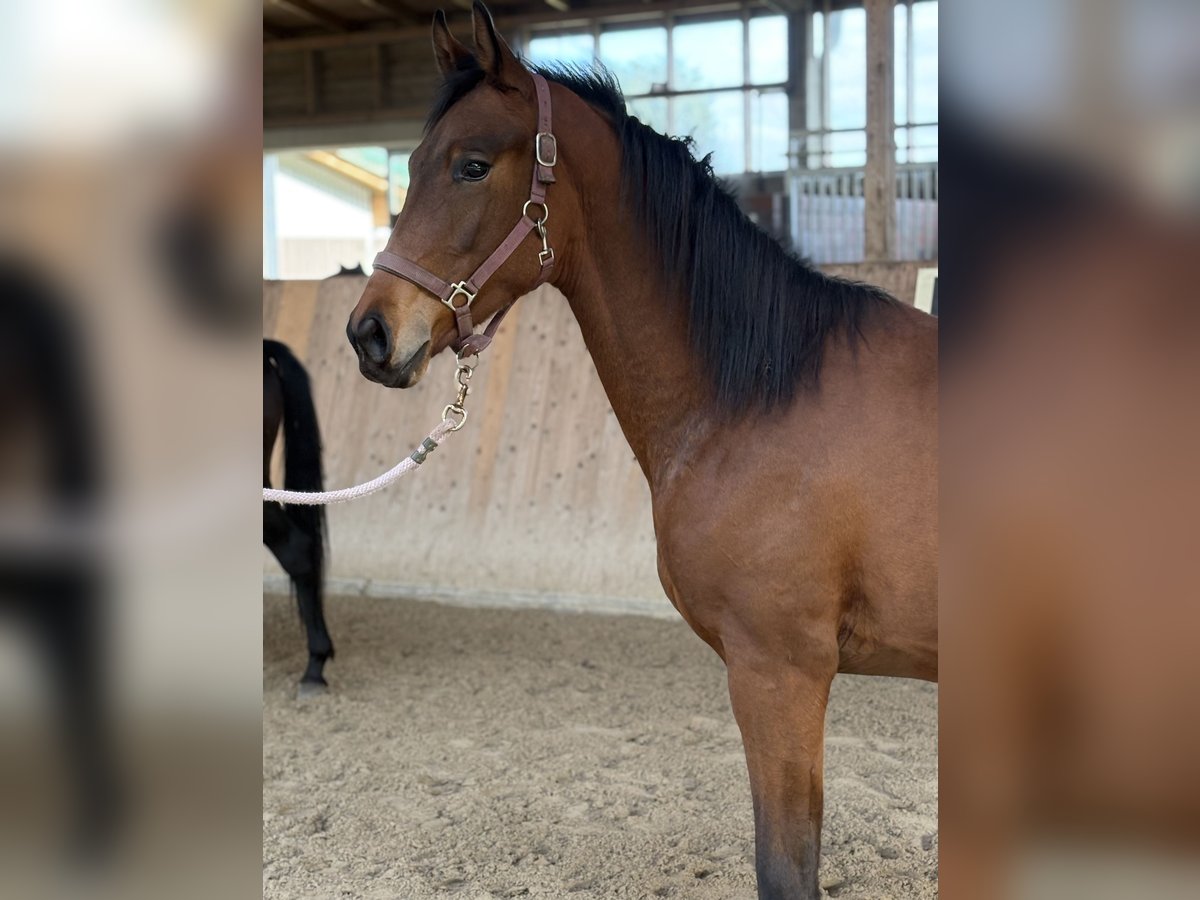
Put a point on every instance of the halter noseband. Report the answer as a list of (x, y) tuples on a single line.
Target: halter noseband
[(545, 151)]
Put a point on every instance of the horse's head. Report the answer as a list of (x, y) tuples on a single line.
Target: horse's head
[(470, 182)]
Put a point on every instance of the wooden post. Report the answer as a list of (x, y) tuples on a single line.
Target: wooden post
[(797, 83), (879, 180)]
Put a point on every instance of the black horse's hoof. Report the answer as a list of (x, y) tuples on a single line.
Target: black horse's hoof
[(311, 687)]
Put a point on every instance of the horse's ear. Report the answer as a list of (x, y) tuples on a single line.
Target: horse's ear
[(451, 54), (495, 56)]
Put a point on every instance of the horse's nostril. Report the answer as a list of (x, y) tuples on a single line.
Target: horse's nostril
[(374, 339)]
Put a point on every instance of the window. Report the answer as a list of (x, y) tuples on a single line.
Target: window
[(837, 88), (706, 118), (567, 48), (654, 111), (707, 55), (724, 87), (922, 135), (846, 46), (768, 50), (638, 57), (684, 75), (768, 131), (324, 208)]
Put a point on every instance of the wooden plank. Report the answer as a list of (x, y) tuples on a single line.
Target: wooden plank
[(293, 322), (357, 174), (309, 10), (538, 495), (393, 10), (460, 22), (879, 179), (494, 401)]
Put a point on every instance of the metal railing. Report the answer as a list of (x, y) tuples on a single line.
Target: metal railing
[(828, 213)]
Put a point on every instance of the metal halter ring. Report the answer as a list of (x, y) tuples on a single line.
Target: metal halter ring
[(459, 288), (545, 211)]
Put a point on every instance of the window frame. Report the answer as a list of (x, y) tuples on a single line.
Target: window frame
[(819, 93), (668, 20)]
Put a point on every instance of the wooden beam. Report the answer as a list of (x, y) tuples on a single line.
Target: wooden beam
[(879, 179), (349, 170), (394, 10), (314, 13), (412, 113), (787, 6), (622, 8)]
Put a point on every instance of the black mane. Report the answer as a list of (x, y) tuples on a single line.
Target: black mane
[(758, 316)]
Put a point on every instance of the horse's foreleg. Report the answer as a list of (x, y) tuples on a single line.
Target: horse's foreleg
[(296, 552), (780, 708)]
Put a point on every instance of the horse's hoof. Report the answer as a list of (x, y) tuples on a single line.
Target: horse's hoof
[(311, 689)]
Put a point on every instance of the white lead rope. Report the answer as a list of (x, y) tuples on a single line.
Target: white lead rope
[(454, 417), (301, 498)]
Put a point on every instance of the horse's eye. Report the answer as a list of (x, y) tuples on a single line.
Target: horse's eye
[(474, 170)]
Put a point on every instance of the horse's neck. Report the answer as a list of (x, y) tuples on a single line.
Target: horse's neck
[(637, 336)]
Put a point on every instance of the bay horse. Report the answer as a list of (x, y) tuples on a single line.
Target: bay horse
[(296, 534), (786, 421)]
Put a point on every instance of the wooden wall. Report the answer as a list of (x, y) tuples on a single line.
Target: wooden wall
[(538, 498), (538, 501)]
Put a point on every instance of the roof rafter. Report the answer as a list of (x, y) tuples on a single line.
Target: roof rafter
[(394, 10), (309, 10)]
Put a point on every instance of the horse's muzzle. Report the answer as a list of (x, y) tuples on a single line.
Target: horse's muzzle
[(372, 342)]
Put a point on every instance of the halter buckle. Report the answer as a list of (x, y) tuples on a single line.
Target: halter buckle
[(459, 288), (541, 156)]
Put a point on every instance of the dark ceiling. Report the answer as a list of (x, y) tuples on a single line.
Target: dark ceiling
[(287, 19)]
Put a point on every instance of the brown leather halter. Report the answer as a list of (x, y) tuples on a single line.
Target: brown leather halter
[(545, 151)]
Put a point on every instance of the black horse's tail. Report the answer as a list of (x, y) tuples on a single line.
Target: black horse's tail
[(301, 444), (38, 325)]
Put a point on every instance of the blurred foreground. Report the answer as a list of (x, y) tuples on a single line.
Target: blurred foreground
[(1070, 438), (130, 641)]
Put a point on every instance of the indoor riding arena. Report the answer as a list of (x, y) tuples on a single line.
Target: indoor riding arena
[(514, 707)]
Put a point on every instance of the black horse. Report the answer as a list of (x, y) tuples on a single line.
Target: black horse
[(56, 593), (296, 534)]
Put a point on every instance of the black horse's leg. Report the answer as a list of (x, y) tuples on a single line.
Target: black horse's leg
[(69, 624), (780, 708), (298, 553), (320, 646)]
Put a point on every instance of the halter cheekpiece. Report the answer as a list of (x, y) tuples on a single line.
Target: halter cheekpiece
[(460, 295)]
